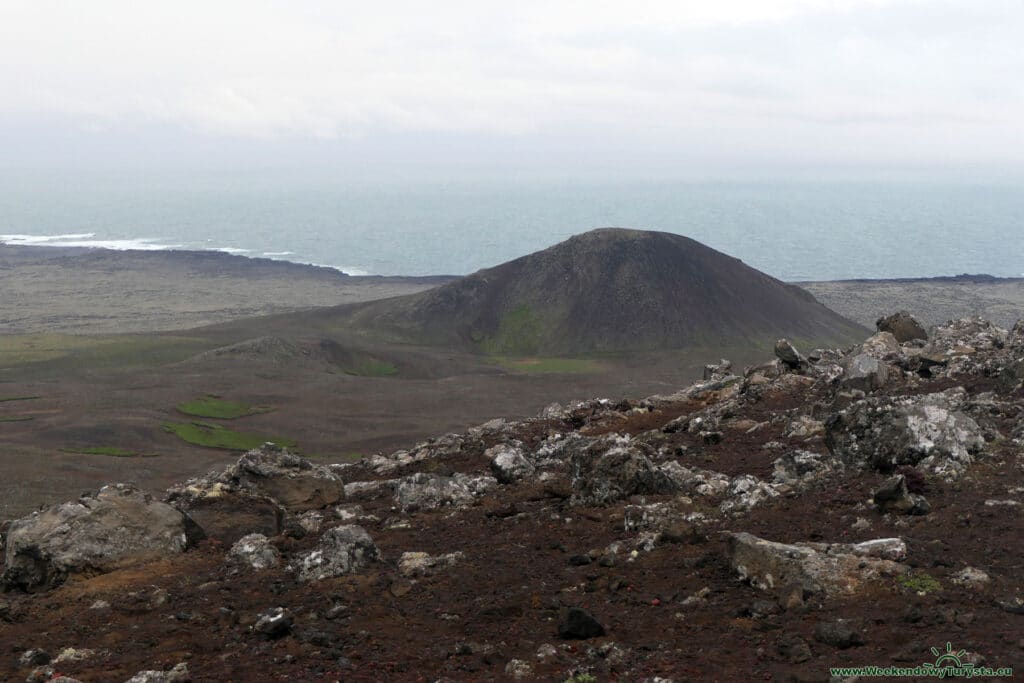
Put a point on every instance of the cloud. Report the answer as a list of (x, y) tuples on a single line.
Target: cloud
[(888, 71)]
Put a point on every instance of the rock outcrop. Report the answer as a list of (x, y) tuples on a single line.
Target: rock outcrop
[(96, 533)]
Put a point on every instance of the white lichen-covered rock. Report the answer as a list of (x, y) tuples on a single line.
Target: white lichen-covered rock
[(179, 674), (817, 567), (746, 492), (971, 577), (695, 481), (416, 564), (342, 550), (508, 462), (555, 451), (254, 552), (423, 491), (803, 427), (929, 432), (801, 467), (292, 481), (93, 534), (864, 372), (880, 346)]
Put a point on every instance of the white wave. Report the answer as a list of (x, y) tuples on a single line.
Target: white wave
[(231, 250), (44, 239), (345, 269), (278, 253), (85, 240)]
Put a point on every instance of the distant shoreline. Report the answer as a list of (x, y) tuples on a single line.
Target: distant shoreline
[(93, 290)]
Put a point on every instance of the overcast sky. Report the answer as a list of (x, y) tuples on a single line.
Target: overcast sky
[(670, 86)]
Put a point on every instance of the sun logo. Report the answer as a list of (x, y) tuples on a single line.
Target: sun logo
[(948, 658)]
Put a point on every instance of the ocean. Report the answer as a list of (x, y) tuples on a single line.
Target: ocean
[(791, 230)]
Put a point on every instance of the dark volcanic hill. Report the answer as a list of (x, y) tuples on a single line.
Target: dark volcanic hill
[(612, 290)]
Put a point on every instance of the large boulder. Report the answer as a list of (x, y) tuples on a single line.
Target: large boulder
[(118, 525), (929, 432), (255, 493), (342, 550), (834, 568), (903, 326), (612, 469), (508, 462)]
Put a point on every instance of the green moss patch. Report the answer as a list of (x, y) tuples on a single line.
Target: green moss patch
[(573, 366), (371, 367), (215, 407), (16, 418), (211, 435), (18, 398), (919, 583)]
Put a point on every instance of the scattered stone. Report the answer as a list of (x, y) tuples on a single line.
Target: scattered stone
[(254, 552), (179, 674), (546, 652), (274, 623), (72, 654), (100, 604), (800, 467), (804, 427), (578, 624), (34, 657), (342, 550), (94, 534), (903, 326), (816, 567), (793, 648), (745, 493), (972, 578), (893, 496), (839, 633), (415, 564), (517, 668)]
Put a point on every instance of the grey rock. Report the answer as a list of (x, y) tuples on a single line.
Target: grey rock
[(839, 633), (928, 431), (34, 657), (508, 462), (893, 496), (342, 550), (578, 624), (800, 467), (179, 674), (292, 481), (864, 372), (254, 552), (423, 491), (416, 564), (274, 623), (903, 326), (787, 353), (612, 469), (94, 534), (746, 492), (816, 567), (881, 346), (794, 648)]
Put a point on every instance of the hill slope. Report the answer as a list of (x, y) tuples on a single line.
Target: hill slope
[(611, 290)]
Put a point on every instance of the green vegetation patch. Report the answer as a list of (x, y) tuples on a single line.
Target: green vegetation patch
[(112, 451), (215, 407), (519, 333), (18, 398), (371, 367), (919, 583), (574, 366), (16, 418), (211, 435)]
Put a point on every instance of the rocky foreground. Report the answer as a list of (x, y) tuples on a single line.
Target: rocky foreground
[(825, 509)]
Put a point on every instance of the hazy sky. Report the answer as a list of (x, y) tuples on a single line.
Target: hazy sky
[(668, 86)]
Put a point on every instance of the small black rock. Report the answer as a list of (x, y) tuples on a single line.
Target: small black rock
[(578, 624), (839, 633)]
